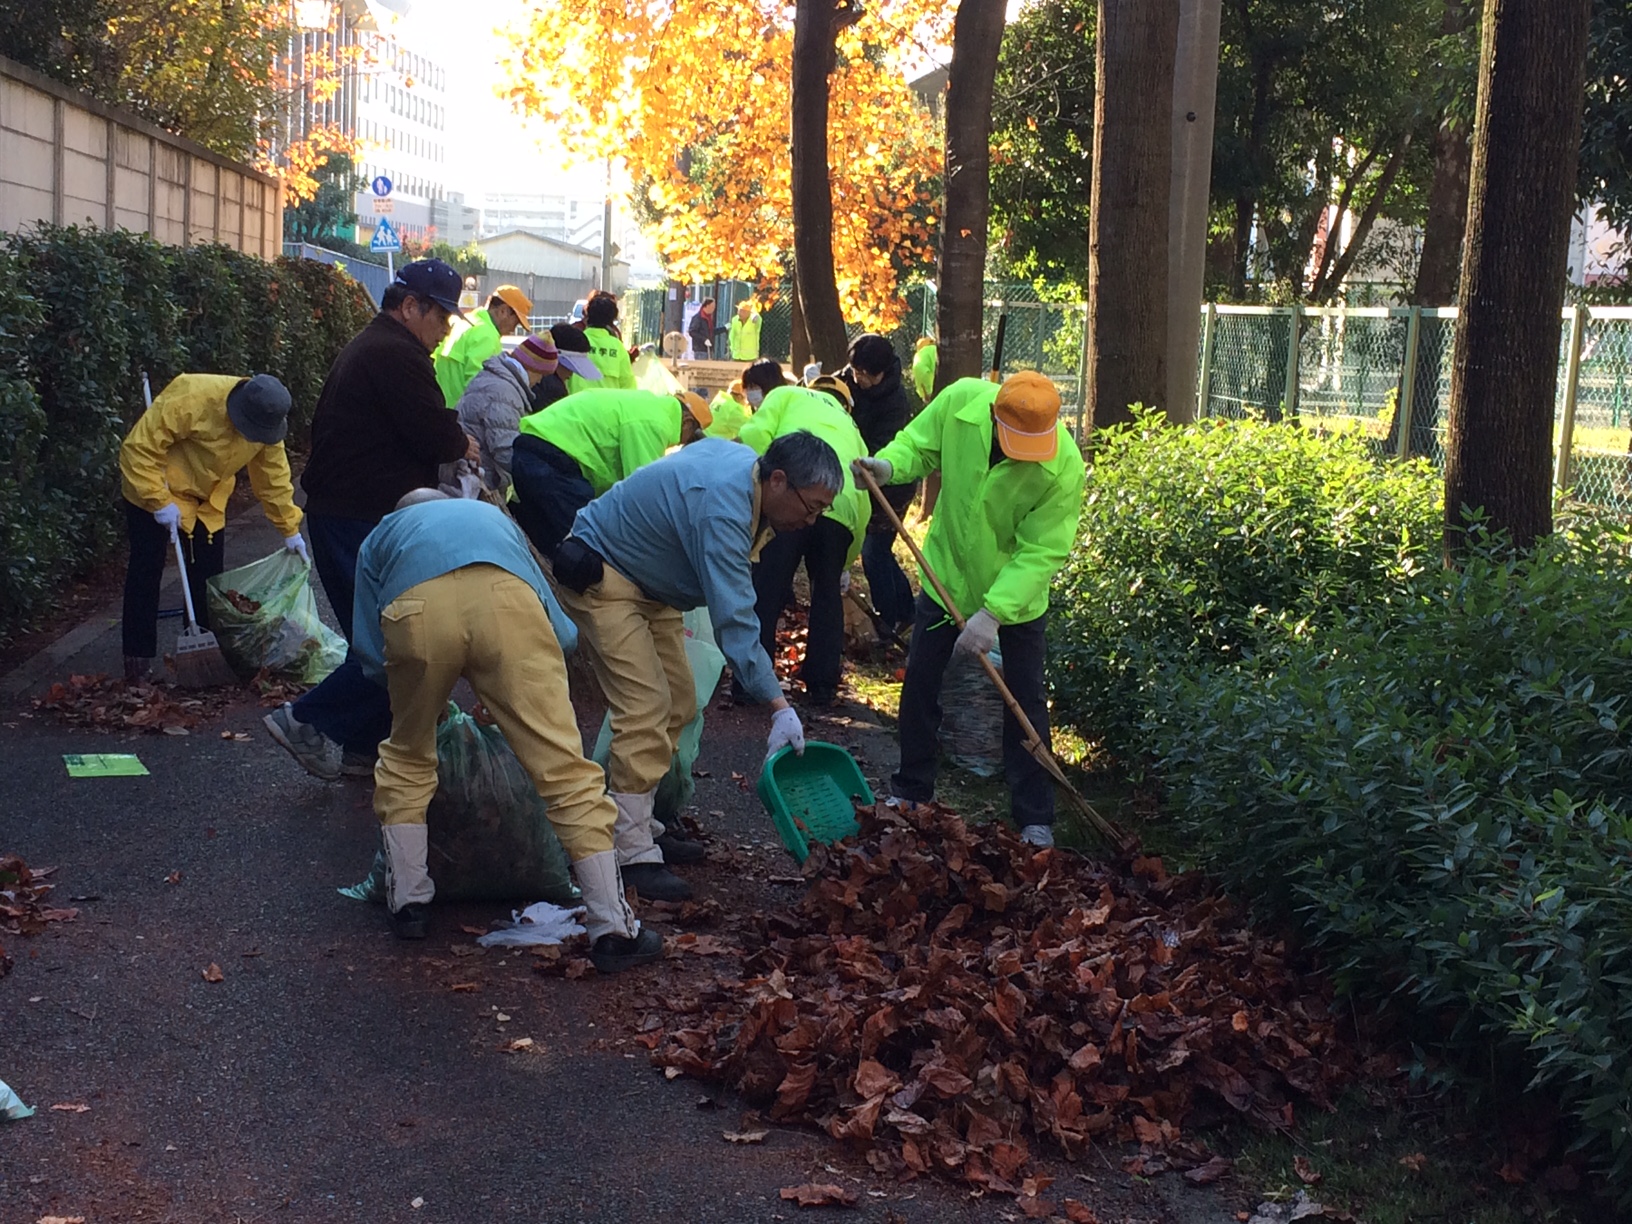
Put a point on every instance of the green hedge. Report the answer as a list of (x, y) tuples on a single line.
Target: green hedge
[(1439, 794), (1193, 539), (1427, 773), (82, 313)]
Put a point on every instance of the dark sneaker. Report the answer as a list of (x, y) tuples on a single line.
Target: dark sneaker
[(357, 764), (820, 698), (655, 882), (410, 921), (317, 754), (678, 848), (615, 953)]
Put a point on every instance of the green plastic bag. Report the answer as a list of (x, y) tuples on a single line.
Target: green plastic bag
[(265, 617), (490, 839), (678, 786)]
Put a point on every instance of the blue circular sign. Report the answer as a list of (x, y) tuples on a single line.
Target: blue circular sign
[(382, 186)]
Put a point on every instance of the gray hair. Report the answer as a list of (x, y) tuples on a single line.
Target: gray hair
[(415, 497), (806, 460)]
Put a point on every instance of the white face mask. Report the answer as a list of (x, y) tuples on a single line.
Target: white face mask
[(755, 395)]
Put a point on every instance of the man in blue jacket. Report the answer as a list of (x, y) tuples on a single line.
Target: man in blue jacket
[(680, 534)]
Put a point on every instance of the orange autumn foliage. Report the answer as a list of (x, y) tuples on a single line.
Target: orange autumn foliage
[(695, 97)]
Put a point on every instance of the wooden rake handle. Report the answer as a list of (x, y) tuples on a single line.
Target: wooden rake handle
[(1034, 742)]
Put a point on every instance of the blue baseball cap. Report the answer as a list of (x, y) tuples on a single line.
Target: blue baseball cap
[(434, 281)]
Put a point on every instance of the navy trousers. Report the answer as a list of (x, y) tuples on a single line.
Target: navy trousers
[(347, 706), (1024, 646)]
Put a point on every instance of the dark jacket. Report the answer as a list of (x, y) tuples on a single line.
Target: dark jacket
[(702, 331), (380, 427), (880, 412)]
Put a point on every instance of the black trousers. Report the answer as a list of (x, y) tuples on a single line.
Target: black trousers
[(822, 547), (149, 546), (550, 490), (1024, 647)]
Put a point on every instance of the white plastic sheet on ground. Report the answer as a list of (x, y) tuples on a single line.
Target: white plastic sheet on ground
[(539, 923)]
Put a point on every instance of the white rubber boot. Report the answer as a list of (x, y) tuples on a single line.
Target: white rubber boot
[(607, 910), (407, 878), (632, 832)]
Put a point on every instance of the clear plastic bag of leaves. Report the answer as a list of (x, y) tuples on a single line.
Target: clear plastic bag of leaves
[(676, 789), (490, 838), (972, 725), (264, 615)]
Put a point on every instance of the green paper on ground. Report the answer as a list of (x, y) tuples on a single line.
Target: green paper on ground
[(104, 765)]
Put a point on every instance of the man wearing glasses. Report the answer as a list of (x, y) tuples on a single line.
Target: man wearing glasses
[(679, 534), (380, 429)]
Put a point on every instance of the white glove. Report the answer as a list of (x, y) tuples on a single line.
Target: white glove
[(844, 582), (786, 732), (880, 468), (979, 634), (297, 546), (168, 516)]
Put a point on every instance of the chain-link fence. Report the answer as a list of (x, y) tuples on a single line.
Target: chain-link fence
[(1385, 374)]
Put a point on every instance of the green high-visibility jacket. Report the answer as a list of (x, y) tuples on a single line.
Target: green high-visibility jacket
[(789, 409), (730, 415), (459, 358), (924, 362), (611, 359), (744, 337), (609, 433), (1001, 531)]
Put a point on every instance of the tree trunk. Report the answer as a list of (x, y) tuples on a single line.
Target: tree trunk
[(798, 341), (815, 24), (1447, 218), (1504, 368), (977, 33), (1128, 222)]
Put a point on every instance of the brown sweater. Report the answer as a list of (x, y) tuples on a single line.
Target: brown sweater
[(380, 427)]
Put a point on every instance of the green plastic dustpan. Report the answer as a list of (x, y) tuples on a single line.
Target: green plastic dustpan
[(812, 797)]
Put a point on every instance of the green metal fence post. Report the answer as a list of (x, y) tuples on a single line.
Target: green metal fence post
[(1289, 400), (1572, 383), (1204, 388), (1408, 380)]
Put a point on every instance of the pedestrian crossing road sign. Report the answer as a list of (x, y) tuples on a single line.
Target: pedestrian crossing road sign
[(385, 237)]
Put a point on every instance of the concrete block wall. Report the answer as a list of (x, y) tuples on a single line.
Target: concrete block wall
[(67, 159)]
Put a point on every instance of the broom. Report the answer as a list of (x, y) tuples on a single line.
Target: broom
[(199, 661)]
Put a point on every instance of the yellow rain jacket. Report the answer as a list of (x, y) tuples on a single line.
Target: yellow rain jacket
[(789, 409), (185, 450), (1001, 531)]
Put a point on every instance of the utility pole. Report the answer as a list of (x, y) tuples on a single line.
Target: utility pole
[(1195, 93), (606, 233)]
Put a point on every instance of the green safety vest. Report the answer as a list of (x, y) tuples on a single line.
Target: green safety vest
[(789, 409), (609, 432)]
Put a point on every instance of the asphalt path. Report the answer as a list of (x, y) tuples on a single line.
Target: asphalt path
[(334, 1073)]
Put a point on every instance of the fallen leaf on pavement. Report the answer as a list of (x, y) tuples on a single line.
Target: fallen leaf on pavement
[(464, 987), (518, 1045), (1415, 1161), (74, 1107), (1079, 1213), (1207, 1174), (213, 973), (173, 878), (61, 1220), (751, 1136), (1306, 1172), (472, 930), (819, 1194)]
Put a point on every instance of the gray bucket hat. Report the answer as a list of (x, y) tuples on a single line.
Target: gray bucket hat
[(258, 408)]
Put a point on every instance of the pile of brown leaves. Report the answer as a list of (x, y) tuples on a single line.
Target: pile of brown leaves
[(22, 902), (104, 703), (947, 999)]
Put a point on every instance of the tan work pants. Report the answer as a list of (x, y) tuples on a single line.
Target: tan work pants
[(637, 647), (485, 624)]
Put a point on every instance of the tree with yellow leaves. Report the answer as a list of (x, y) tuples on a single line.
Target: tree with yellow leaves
[(696, 97)]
